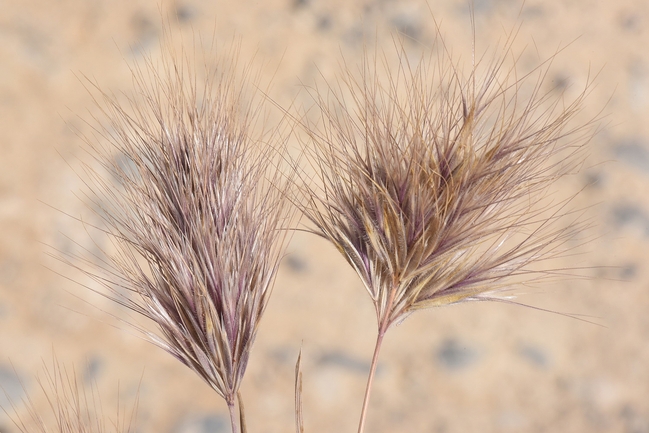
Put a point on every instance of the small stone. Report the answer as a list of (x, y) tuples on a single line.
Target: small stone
[(145, 31), (628, 271), (625, 215), (345, 361), (283, 355), (92, 370), (296, 264), (561, 82), (534, 355), (11, 387), (324, 23), (203, 424), (633, 152), (408, 26), (594, 179), (300, 3), (456, 356), (185, 13)]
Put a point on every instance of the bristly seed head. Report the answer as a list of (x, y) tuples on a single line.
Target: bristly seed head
[(433, 186), (199, 214), (71, 408)]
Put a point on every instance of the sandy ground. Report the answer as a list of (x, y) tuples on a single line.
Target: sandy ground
[(474, 367)]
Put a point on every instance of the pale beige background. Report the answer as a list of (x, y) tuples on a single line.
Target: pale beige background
[(469, 368)]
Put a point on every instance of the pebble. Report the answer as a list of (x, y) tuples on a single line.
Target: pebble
[(455, 355), (534, 355), (92, 370), (633, 152), (346, 362), (11, 387), (203, 424), (625, 215), (296, 263)]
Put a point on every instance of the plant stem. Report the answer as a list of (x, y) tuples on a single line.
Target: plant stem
[(233, 416), (370, 379)]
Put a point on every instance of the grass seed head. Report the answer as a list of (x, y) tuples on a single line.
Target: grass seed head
[(434, 183), (197, 215)]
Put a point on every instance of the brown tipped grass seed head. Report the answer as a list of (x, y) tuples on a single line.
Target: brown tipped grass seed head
[(198, 216), (433, 185), (431, 182)]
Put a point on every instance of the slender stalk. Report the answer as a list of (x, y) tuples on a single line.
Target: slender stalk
[(233, 416), (370, 379), (384, 324)]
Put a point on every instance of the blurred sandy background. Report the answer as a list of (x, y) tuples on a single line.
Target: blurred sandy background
[(469, 368)]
